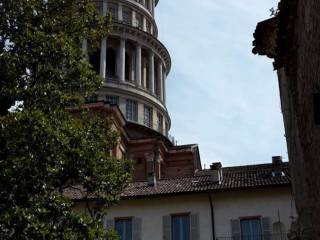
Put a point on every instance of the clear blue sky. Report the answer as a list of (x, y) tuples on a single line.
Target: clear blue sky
[(219, 94)]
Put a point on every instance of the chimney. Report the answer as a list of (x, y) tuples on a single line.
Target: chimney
[(216, 175), (151, 176), (277, 166)]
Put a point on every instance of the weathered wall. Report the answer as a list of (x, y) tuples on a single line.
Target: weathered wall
[(299, 53)]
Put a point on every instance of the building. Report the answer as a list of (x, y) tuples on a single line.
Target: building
[(171, 196), (134, 63), (292, 39)]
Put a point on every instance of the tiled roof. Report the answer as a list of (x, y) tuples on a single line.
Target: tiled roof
[(234, 178)]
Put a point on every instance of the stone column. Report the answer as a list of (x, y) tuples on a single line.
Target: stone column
[(122, 60), (138, 66), (120, 17), (164, 87), (151, 72), (144, 23), (144, 2), (160, 79), (103, 50), (153, 6), (134, 21), (150, 5)]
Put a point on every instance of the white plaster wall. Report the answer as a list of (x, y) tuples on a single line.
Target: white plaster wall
[(264, 203), (227, 206)]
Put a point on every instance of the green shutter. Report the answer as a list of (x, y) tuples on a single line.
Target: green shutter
[(194, 227), (109, 224), (266, 228), (166, 227), (236, 229), (136, 229)]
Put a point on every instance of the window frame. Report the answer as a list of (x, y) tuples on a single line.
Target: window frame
[(122, 219), (132, 112), (251, 218), (148, 116), (180, 215)]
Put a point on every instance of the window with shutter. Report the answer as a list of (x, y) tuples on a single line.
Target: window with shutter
[(136, 229), (180, 227), (124, 228), (109, 224), (166, 227), (235, 229), (194, 227), (266, 228)]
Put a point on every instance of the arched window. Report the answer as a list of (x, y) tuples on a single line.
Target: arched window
[(111, 63)]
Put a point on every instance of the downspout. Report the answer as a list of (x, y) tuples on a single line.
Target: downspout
[(212, 216)]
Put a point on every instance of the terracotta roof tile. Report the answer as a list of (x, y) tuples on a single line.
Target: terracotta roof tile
[(243, 177)]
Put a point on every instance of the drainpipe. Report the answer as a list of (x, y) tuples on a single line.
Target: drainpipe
[(212, 216)]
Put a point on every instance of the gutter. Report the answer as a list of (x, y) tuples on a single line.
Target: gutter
[(212, 216)]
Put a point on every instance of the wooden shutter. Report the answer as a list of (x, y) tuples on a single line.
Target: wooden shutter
[(266, 228), (194, 227), (166, 227), (236, 229), (109, 224), (136, 229)]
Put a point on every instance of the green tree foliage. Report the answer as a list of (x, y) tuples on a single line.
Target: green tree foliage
[(44, 149)]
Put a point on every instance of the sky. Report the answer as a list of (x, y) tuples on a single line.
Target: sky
[(220, 95)]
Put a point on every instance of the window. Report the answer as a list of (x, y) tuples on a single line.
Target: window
[(160, 122), (114, 100), (251, 229), (124, 228), (180, 227), (147, 118), (126, 15), (113, 9), (131, 110)]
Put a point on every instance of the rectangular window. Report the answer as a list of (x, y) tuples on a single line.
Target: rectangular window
[(113, 9), (251, 229), (113, 100), (124, 228), (147, 118), (126, 15), (131, 110), (160, 122), (180, 227)]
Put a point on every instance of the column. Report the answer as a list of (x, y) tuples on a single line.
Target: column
[(144, 2), (122, 59), (160, 79), (151, 72), (103, 50), (134, 21), (153, 6), (150, 5), (164, 87), (144, 23), (132, 67), (138, 66), (120, 17)]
